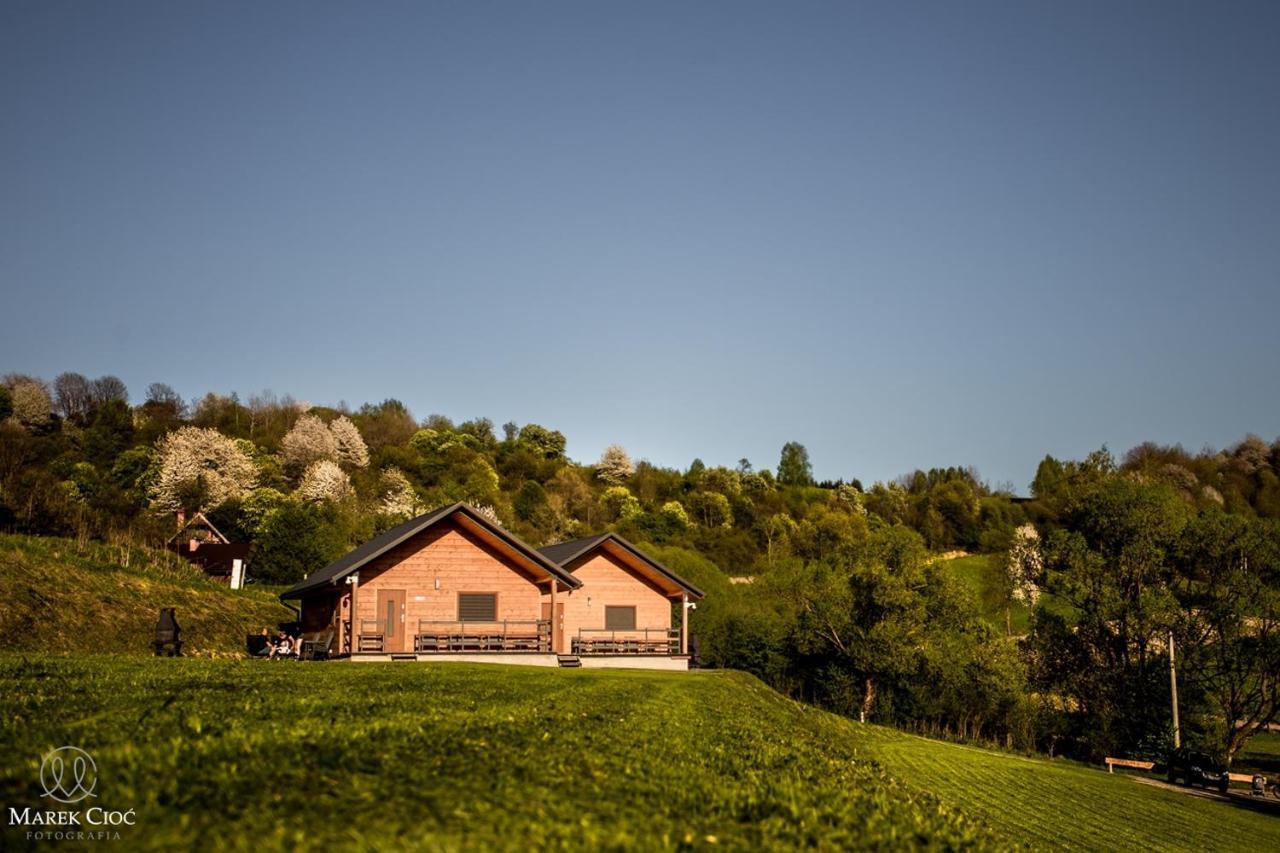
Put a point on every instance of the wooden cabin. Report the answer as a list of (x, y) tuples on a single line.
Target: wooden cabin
[(624, 608), (202, 544), (453, 585)]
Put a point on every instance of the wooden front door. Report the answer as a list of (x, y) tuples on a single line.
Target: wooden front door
[(391, 618)]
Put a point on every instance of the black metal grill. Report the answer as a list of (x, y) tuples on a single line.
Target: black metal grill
[(168, 634)]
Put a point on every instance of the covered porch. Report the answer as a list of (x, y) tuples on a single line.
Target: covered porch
[(439, 636)]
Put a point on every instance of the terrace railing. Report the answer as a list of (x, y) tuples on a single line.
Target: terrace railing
[(634, 641), (506, 635)]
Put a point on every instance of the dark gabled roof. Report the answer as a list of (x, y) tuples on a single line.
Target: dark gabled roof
[(379, 545), (200, 518), (565, 553)]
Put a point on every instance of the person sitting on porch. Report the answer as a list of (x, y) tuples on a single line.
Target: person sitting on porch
[(282, 647)]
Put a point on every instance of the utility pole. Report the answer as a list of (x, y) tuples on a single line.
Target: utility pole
[(1173, 690)]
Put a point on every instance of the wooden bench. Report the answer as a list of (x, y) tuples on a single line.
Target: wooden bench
[(1113, 763)]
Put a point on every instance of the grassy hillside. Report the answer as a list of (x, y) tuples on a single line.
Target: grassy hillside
[(1067, 805), (60, 595), (274, 755), (982, 575), (455, 756)]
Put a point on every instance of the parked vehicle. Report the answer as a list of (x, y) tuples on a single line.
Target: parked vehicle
[(1197, 768)]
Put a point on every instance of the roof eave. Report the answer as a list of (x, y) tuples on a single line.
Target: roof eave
[(689, 588), (554, 570)]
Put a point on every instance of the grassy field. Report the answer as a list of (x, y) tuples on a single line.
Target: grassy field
[(63, 596), (982, 576), (273, 755)]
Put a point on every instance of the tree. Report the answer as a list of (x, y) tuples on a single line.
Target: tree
[(110, 432), (620, 503), (74, 395), (615, 465), (529, 501), (1230, 627), (1112, 564), (199, 469), (548, 443), (163, 403), (324, 481), (794, 468), (711, 509), (108, 389), (1024, 565), (295, 540), (396, 494), (350, 446), (309, 441), (6, 403), (872, 616), (386, 424), (673, 513), (30, 400)]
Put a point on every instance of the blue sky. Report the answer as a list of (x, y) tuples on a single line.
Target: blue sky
[(904, 234)]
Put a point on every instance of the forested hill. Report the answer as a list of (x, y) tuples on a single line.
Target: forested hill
[(829, 591)]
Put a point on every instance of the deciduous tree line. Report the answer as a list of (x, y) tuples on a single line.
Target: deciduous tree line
[(830, 591)]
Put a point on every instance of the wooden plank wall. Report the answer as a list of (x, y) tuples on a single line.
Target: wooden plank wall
[(606, 581), (461, 562)]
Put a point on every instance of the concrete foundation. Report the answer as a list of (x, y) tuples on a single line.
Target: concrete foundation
[(666, 662), (518, 659)]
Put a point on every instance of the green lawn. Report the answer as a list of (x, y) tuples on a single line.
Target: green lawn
[(274, 755)]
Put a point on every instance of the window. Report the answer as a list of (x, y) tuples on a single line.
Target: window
[(477, 607), (619, 618)]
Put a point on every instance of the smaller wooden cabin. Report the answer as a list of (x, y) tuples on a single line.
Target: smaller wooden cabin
[(626, 602), (200, 543)]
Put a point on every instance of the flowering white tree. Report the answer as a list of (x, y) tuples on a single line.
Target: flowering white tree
[(350, 445), (489, 512), (307, 443), (32, 405), (200, 469), (615, 466), (398, 497), (1025, 564), (324, 481)]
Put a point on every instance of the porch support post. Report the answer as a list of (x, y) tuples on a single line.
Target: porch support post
[(684, 624), (555, 647), (354, 641)]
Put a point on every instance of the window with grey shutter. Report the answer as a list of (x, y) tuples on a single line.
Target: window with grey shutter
[(620, 618), (477, 607)]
